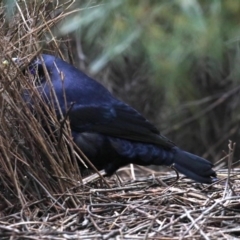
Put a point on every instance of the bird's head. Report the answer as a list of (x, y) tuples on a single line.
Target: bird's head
[(41, 65), (38, 66)]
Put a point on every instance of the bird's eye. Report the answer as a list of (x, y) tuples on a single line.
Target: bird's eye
[(37, 71)]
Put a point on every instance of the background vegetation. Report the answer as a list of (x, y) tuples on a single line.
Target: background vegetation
[(177, 62)]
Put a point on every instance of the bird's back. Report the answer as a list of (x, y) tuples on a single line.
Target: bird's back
[(110, 132)]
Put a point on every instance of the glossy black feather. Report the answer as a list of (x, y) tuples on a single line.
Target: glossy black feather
[(110, 132)]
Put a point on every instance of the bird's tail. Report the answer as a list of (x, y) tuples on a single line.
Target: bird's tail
[(194, 167)]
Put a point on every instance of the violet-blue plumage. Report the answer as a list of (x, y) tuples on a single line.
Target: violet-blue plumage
[(110, 132)]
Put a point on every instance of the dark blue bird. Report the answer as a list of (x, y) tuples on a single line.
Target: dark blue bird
[(110, 133)]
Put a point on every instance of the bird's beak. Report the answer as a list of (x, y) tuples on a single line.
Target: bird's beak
[(15, 59), (6, 62)]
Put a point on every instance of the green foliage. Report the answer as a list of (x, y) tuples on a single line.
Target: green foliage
[(10, 7), (172, 33)]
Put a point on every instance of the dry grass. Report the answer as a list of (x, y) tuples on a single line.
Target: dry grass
[(42, 193), (146, 208)]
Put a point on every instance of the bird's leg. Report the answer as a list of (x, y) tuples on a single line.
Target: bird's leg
[(174, 169)]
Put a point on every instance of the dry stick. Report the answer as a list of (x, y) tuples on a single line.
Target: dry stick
[(50, 115), (228, 185), (23, 18), (33, 130), (132, 172), (62, 123), (117, 218), (115, 189), (13, 173), (38, 29), (113, 233), (195, 225), (150, 225), (48, 29), (10, 229), (104, 205), (46, 191), (231, 147), (218, 202), (229, 162), (140, 227), (97, 227)]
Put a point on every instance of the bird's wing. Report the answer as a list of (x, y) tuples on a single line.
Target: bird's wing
[(116, 120)]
